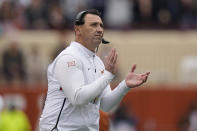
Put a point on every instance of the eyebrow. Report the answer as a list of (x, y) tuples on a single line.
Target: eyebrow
[(93, 23)]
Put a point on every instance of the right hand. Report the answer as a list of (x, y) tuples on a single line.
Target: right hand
[(110, 61), (133, 80)]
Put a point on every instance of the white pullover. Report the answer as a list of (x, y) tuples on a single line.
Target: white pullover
[(78, 86)]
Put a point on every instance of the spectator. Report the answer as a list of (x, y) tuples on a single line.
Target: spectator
[(13, 63), (118, 14), (99, 5), (14, 120), (35, 66), (56, 17), (189, 15), (183, 124), (36, 15), (166, 12), (19, 20), (189, 121), (142, 11), (6, 12), (193, 117), (77, 6), (123, 121)]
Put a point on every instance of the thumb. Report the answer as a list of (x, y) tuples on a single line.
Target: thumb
[(133, 68)]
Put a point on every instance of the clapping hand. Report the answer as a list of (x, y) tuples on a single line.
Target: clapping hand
[(110, 61), (133, 80)]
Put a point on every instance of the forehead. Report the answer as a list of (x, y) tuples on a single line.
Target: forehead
[(89, 18)]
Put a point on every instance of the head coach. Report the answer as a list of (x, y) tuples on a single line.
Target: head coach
[(78, 81)]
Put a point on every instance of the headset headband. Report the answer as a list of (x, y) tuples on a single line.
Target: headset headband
[(79, 18)]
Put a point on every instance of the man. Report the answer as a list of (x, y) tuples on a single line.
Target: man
[(78, 81)]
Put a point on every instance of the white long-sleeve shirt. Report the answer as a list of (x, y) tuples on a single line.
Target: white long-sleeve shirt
[(78, 86)]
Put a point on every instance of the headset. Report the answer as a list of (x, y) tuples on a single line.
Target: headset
[(79, 20)]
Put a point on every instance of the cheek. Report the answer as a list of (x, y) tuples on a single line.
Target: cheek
[(90, 32)]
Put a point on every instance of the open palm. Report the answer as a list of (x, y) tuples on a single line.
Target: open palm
[(134, 80)]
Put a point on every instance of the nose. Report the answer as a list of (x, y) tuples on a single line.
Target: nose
[(99, 29)]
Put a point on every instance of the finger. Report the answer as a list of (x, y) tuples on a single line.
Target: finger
[(115, 58), (145, 78), (133, 68), (109, 57), (112, 55), (106, 60), (147, 73)]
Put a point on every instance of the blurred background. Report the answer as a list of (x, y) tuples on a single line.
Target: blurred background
[(157, 35)]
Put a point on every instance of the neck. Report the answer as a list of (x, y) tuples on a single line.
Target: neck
[(85, 44)]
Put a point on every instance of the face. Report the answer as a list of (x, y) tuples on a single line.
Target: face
[(91, 32)]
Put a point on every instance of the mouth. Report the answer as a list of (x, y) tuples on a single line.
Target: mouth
[(99, 36)]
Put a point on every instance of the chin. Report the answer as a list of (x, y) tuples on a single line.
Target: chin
[(97, 42)]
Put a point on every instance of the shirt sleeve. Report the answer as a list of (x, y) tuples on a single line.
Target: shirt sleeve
[(69, 73), (113, 97)]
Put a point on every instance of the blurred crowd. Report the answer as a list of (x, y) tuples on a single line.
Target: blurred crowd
[(19, 67), (116, 14)]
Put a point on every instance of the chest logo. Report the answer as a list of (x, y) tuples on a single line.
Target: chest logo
[(71, 63)]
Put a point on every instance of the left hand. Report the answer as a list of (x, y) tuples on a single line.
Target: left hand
[(133, 80), (110, 61)]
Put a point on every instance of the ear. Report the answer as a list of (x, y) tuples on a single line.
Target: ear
[(77, 30)]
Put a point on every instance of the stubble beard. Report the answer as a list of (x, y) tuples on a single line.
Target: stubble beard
[(97, 42)]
